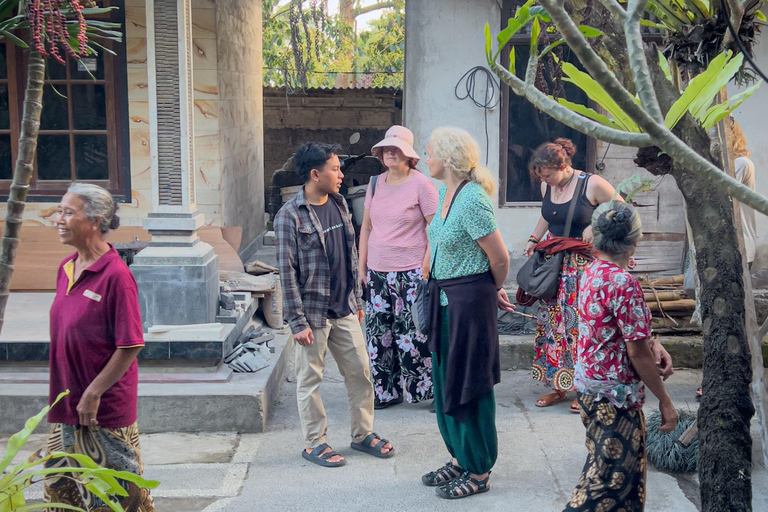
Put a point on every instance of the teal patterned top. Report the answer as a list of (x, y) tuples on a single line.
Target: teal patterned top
[(455, 240)]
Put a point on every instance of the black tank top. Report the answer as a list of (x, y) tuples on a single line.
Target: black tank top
[(556, 214)]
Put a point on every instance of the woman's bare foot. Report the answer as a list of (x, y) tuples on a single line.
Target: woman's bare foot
[(556, 396)]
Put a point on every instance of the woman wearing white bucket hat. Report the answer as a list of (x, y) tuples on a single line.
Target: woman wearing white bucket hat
[(393, 254)]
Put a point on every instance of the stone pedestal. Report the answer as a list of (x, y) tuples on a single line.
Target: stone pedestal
[(178, 285)]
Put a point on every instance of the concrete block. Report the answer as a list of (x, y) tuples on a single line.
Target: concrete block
[(175, 289)]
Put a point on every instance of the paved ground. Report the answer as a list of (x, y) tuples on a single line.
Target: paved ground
[(541, 454)]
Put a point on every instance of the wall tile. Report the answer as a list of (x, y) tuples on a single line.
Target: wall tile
[(141, 173), (204, 23), (207, 145), (208, 174), (138, 115), (206, 85), (136, 50), (137, 83), (135, 22), (204, 53), (206, 116), (140, 144)]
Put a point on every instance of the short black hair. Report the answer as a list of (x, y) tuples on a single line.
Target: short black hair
[(313, 155)]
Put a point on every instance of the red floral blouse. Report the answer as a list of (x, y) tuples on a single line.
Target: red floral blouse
[(612, 312)]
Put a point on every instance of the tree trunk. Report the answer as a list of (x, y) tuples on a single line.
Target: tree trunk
[(30, 125), (347, 15), (725, 445)]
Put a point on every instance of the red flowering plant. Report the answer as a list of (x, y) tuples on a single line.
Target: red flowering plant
[(45, 28)]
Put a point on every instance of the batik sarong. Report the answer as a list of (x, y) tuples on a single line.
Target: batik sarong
[(613, 478), (557, 328), (116, 448)]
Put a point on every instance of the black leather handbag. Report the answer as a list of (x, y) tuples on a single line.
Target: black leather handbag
[(539, 277), (420, 310)]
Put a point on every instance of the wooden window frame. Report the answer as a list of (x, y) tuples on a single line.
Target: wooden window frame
[(117, 130), (508, 11)]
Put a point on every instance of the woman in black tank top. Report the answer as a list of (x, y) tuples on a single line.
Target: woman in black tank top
[(558, 323)]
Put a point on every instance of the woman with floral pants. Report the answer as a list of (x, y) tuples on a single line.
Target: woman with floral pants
[(393, 257)]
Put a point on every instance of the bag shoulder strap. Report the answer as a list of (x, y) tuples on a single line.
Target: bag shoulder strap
[(372, 184), (580, 184), (455, 195)]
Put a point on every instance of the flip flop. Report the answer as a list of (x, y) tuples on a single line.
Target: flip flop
[(374, 450), (322, 460), (575, 408), (551, 399)]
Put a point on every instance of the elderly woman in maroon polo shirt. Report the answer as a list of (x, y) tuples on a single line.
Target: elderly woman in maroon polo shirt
[(96, 334)]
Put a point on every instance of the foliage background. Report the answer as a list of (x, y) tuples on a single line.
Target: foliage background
[(328, 51)]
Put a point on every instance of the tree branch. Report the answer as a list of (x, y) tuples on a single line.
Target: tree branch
[(370, 8), (637, 63), (595, 66), (735, 14), (530, 71), (566, 116), (615, 8)]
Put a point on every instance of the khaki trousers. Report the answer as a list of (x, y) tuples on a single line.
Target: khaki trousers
[(344, 338)]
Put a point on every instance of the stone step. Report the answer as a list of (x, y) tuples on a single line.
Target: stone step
[(242, 403)]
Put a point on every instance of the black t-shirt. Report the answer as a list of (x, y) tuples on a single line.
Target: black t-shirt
[(338, 259)]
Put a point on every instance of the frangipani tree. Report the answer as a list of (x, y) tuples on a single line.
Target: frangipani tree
[(45, 29), (647, 110)]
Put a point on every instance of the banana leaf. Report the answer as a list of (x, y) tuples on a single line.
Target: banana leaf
[(597, 94), (717, 113), (588, 113)]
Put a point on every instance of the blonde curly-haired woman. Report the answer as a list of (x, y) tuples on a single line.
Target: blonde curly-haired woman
[(469, 266)]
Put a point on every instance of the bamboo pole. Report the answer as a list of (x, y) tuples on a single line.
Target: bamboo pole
[(673, 305), (664, 296)]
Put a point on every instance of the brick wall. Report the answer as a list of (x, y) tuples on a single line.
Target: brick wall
[(326, 115)]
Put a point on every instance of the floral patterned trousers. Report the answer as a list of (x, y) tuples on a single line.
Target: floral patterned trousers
[(395, 348)]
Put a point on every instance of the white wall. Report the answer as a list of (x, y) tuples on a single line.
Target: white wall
[(444, 39), (751, 117)]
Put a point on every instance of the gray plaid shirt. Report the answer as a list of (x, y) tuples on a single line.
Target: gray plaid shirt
[(304, 270)]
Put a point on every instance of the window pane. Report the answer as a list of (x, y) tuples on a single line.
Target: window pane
[(53, 157), (54, 70), (55, 115), (91, 157), (89, 107), (94, 64), (6, 164), (3, 61), (5, 120), (528, 128)]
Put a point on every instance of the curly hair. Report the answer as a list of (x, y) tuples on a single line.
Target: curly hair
[(552, 154), (460, 155), (739, 140), (616, 227)]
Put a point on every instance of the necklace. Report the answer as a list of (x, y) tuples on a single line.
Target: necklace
[(560, 189)]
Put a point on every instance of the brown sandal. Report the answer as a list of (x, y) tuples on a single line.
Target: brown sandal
[(555, 397), (575, 408)]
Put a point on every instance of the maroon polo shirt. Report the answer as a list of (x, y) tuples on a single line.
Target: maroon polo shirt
[(91, 319)]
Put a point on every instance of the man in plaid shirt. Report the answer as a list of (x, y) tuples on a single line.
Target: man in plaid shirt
[(322, 302)]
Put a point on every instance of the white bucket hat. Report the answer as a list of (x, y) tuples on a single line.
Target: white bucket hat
[(399, 137)]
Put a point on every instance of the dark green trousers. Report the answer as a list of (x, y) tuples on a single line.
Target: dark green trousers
[(473, 441)]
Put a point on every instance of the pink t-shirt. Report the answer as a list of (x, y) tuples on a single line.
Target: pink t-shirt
[(398, 239)]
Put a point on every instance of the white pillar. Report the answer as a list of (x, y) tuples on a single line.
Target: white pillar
[(177, 274)]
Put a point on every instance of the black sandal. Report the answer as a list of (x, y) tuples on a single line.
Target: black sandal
[(442, 476), (383, 405), (322, 460), (376, 448), (461, 487)]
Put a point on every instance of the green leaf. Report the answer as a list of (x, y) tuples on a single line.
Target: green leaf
[(535, 31), (718, 112), (760, 16), (540, 13), (20, 438), (698, 96), (15, 40), (514, 25), (700, 9), (41, 506), (653, 24), (597, 94), (551, 47), (488, 49), (587, 112), (664, 65), (589, 32)]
